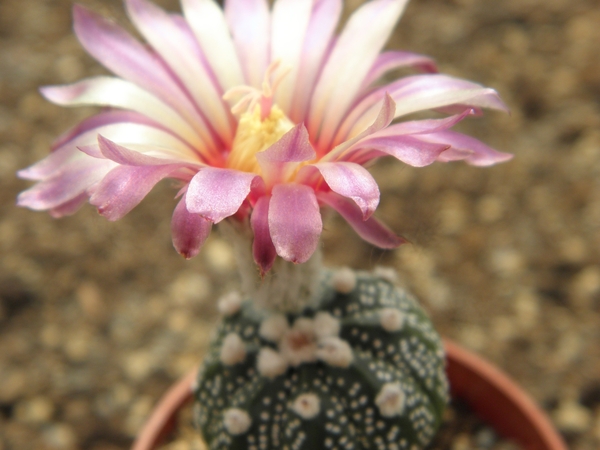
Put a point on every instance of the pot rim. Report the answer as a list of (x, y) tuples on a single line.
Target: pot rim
[(480, 384), (472, 379)]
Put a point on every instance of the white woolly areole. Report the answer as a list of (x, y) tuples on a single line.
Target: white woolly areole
[(236, 421), (273, 327), (233, 350), (304, 325), (270, 363), (230, 303), (335, 352), (386, 273), (326, 325), (307, 406), (299, 344), (391, 319), (391, 400), (344, 280)]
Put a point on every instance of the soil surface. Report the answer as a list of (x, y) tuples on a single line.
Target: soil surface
[(97, 319)]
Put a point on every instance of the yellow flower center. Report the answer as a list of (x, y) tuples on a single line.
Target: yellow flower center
[(261, 123), (255, 134)]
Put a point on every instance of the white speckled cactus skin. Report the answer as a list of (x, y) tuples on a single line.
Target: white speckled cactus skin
[(364, 370)]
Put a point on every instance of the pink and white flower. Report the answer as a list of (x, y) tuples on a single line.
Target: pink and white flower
[(261, 114)]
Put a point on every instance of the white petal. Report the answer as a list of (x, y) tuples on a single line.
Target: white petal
[(250, 23), (208, 23), (351, 59), (118, 93), (289, 24), (324, 18), (172, 40)]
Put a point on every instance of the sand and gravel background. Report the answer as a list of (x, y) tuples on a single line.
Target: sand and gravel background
[(98, 318)]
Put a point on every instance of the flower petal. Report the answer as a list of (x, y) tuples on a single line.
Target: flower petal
[(403, 141), (279, 160), (189, 231), (354, 53), (100, 120), (463, 147), (207, 21), (352, 181), (118, 51), (419, 93), (218, 193), (70, 182), (425, 126), (118, 93), (179, 49), (318, 39), (129, 157), (294, 222), (262, 246), (413, 151), (383, 119), (250, 23), (371, 230), (131, 134), (69, 207), (289, 23), (124, 187), (64, 148), (388, 61), (440, 90)]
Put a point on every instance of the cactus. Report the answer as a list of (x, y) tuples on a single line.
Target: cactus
[(363, 370)]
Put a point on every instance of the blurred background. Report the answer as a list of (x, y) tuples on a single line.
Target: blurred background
[(97, 319)]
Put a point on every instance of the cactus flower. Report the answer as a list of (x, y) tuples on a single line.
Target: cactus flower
[(261, 114)]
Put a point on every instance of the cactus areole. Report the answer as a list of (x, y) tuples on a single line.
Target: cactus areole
[(362, 368)]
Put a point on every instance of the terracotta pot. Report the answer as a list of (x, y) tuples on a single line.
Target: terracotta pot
[(498, 400), (495, 398)]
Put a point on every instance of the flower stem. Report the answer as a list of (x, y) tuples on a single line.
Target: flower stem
[(287, 287)]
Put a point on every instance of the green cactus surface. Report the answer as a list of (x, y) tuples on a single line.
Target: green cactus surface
[(363, 370)]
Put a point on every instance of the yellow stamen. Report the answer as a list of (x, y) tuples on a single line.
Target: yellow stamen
[(255, 135), (261, 123)]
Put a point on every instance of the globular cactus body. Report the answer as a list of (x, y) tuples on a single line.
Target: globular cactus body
[(363, 370)]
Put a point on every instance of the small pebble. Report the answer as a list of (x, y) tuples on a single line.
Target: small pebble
[(490, 209), (59, 436), (473, 336), (527, 309), (568, 350), (218, 255), (35, 410), (190, 288), (507, 262), (585, 286), (571, 417), (78, 346), (462, 442), (51, 336), (503, 328), (138, 414), (180, 320), (138, 365), (90, 300), (13, 384)]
